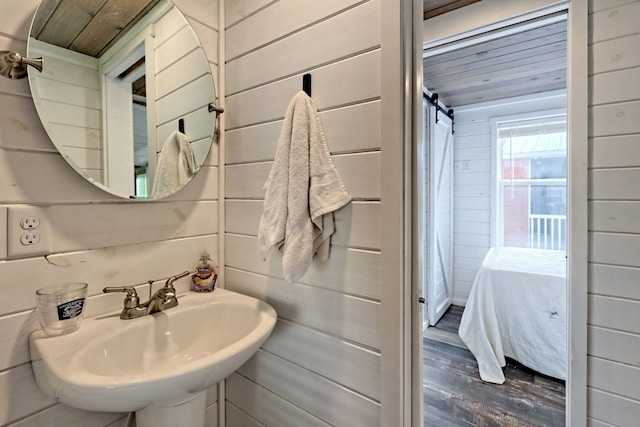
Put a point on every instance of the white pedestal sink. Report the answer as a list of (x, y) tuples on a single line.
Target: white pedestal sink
[(158, 366)]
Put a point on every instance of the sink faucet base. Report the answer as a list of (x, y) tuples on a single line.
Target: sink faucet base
[(163, 299)]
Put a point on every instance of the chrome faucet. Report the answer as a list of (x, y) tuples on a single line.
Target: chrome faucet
[(162, 299)]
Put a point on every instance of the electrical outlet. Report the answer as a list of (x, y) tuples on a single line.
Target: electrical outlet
[(30, 222), (28, 232), (30, 238)]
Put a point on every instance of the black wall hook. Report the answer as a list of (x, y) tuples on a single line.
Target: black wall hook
[(306, 83), (181, 125)]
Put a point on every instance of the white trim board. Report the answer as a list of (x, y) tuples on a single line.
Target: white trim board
[(485, 16)]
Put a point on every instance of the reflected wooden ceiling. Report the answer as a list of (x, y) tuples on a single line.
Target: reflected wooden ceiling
[(524, 62), (87, 26)]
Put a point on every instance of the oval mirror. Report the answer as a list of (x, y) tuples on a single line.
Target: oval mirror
[(126, 93)]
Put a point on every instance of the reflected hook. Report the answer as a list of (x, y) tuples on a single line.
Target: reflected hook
[(14, 66)]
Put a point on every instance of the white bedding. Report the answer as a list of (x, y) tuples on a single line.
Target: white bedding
[(517, 309)]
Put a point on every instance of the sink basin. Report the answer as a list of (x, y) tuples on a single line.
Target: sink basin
[(160, 365)]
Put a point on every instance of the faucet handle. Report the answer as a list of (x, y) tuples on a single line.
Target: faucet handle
[(131, 300), (170, 280)]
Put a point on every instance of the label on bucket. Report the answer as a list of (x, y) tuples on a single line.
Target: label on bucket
[(71, 309)]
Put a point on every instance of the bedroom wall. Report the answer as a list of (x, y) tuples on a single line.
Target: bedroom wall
[(614, 207), (322, 364), (95, 237), (472, 180)]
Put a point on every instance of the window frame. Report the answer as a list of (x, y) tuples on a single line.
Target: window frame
[(497, 207)]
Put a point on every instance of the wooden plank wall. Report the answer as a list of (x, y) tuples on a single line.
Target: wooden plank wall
[(472, 180), (614, 229), (95, 237), (68, 93), (182, 81), (321, 366)]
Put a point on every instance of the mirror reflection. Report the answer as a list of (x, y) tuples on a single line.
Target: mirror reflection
[(124, 93)]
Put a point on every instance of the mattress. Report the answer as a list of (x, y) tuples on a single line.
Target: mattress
[(517, 309)]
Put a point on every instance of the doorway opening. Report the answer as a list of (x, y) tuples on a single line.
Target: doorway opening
[(492, 204)]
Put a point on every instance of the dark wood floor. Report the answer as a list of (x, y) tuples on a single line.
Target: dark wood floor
[(455, 396)]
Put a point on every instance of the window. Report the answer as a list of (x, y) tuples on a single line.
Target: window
[(531, 183)]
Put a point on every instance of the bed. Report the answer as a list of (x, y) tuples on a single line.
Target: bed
[(517, 309)]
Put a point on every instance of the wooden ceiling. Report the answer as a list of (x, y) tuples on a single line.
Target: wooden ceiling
[(87, 26), (434, 8), (526, 62)]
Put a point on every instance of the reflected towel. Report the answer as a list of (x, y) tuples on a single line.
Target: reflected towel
[(176, 165), (302, 192)]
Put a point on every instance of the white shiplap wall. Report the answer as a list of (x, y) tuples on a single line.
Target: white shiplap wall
[(322, 364), (182, 84), (68, 93), (472, 180), (95, 237), (614, 207)]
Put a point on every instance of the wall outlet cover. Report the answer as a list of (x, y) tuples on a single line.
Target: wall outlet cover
[(28, 231)]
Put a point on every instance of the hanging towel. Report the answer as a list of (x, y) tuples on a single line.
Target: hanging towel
[(176, 165), (302, 192)]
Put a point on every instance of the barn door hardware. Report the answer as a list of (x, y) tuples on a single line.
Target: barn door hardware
[(435, 101)]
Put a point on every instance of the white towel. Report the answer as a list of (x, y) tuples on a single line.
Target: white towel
[(176, 165), (302, 192)]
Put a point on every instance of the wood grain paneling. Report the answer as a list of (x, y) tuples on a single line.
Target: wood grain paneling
[(354, 222), (352, 271), (344, 316), (236, 11), (205, 12), (26, 397), (615, 119), (614, 248), (613, 280), (613, 23), (20, 126), (528, 62), (612, 184), (614, 313), (326, 400), (360, 174), (614, 86), (280, 19), (614, 345), (614, 216), (236, 417), (17, 22), (616, 410), (346, 129), (614, 151), (265, 407), (337, 360), (359, 80), (616, 54), (614, 377), (600, 5), (326, 39)]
